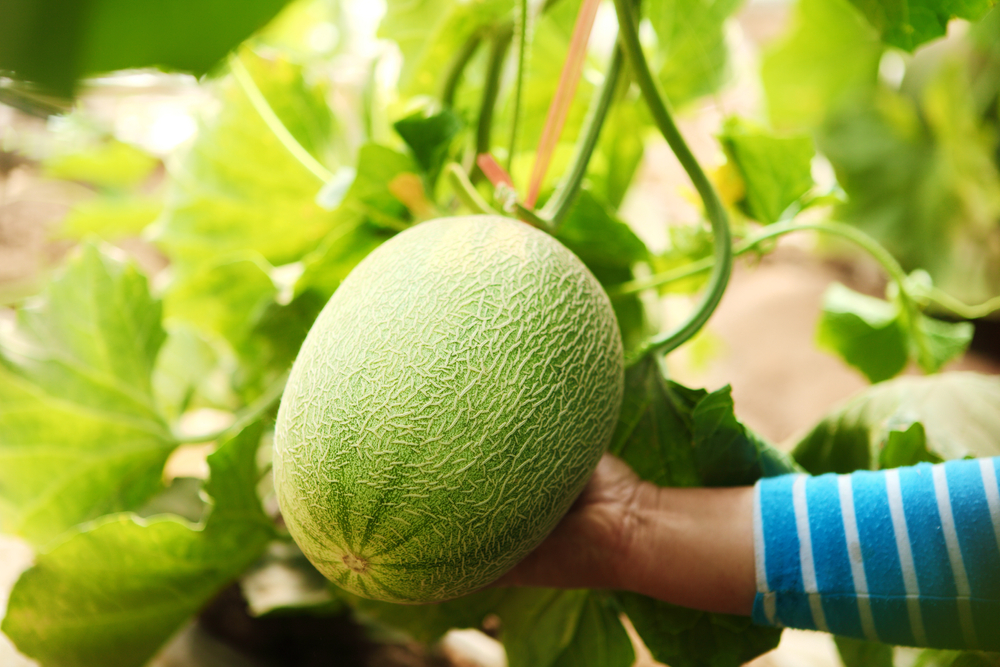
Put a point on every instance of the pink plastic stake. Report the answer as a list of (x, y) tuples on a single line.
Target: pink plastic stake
[(559, 108), (493, 171)]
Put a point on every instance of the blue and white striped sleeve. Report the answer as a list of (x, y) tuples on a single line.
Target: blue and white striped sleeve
[(907, 556)]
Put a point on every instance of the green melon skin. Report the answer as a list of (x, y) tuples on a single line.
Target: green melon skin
[(446, 408)]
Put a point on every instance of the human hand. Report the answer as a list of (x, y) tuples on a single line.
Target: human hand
[(588, 547), (688, 546)]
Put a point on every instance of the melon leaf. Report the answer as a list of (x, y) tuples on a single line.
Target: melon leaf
[(692, 53), (80, 434), (113, 591), (676, 436), (237, 187), (776, 170), (609, 248), (540, 627), (905, 421), (687, 638)]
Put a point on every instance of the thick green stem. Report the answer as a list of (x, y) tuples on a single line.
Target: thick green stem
[(245, 417), (963, 310), (911, 310), (660, 111), (456, 68), (523, 34), (499, 46), (886, 260), (259, 103), (558, 206)]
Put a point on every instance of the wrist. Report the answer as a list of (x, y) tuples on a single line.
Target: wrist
[(691, 547)]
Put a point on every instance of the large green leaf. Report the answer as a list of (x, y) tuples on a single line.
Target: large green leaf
[(540, 627), (776, 170), (240, 204), (80, 435), (829, 56), (609, 248), (239, 187), (676, 436), (958, 415), (55, 42), (910, 23), (111, 217), (106, 164), (691, 53), (686, 638), (114, 591)]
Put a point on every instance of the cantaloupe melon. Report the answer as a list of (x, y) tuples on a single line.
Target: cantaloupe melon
[(446, 408)]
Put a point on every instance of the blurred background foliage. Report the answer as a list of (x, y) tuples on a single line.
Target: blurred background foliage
[(212, 230)]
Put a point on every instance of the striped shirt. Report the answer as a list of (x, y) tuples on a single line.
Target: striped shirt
[(907, 556)]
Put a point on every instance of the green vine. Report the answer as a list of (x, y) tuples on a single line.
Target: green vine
[(558, 205), (909, 297), (499, 45), (660, 111), (456, 68), (523, 34)]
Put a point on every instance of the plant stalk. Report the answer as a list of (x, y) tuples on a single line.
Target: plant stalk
[(261, 106), (660, 111), (559, 203), (523, 34), (499, 46)]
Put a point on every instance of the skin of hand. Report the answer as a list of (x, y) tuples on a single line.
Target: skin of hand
[(688, 546)]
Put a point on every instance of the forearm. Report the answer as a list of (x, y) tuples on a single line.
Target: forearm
[(691, 547)]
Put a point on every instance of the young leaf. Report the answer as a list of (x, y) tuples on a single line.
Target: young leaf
[(776, 171), (830, 54), (430, 136), (941, 342), (864, 331), (958, 413), (80, 435), (114, 591), (676, 436)]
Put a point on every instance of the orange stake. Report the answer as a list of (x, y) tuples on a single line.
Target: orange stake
[(559, 108)]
